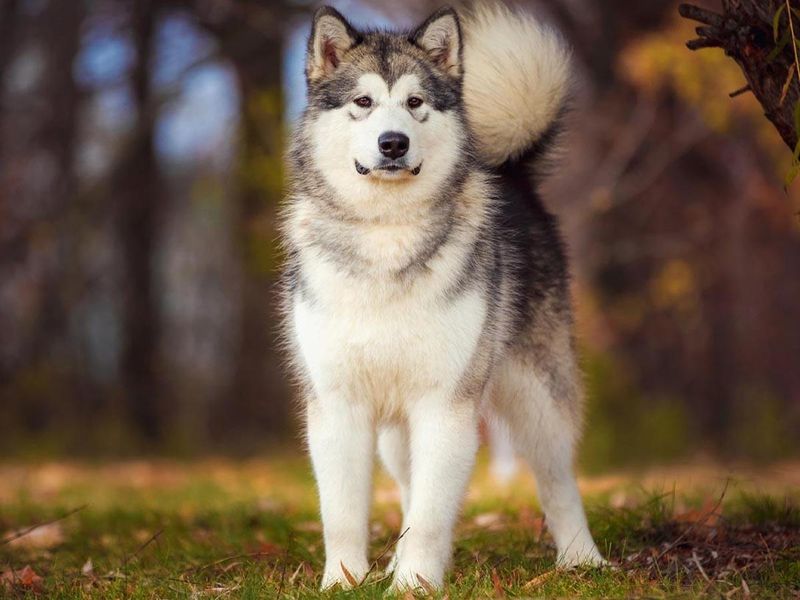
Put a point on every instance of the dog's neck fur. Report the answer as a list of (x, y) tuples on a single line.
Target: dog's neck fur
[(393, 249)]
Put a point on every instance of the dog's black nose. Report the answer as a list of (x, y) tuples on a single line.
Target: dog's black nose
[(393, 144)]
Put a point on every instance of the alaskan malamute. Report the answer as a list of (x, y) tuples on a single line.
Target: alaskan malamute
[(426, 284)]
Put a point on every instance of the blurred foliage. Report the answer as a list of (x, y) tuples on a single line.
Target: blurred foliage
[(658, 60), (261, 173), (629, 429), (684, 246)]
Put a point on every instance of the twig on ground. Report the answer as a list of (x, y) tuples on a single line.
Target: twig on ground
[(226, 559), (388, 547), (696, 561), (283, 577), (26, 531), (141, 548)]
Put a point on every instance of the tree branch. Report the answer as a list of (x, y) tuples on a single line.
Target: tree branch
[(745, 31)]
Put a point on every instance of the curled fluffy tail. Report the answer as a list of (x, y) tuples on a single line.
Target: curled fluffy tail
[(516, 80)]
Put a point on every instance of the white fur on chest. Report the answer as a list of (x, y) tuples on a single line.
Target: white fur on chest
[(386, 349)]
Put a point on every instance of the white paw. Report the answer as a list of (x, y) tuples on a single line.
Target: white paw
[(346, 576), (583, 557), (414, 580)]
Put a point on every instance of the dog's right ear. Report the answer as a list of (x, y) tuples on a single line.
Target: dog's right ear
[(331, 37)]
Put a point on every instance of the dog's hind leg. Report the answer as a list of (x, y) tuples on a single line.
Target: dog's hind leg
[(541, 403), (395, 455)]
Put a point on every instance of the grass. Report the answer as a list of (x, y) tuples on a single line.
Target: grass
[(219, 529)]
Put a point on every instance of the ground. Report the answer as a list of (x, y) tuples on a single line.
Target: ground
[(248, 529)]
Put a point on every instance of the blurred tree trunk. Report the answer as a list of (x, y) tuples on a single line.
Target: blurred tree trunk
[(745, 31), (37, 170), (61, 37), (252, 38), (259, 192), (140, 195), (8, 20), (257, 387), (38, 135)]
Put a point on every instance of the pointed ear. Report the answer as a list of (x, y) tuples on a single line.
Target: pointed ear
[(331, 37), (440, 37)]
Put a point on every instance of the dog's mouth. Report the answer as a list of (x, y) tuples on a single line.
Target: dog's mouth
[(389, 167)]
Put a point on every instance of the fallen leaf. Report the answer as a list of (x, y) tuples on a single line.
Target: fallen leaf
[(708, 514), (88, 568), (348, 575), (488, 520), (25, 577), (426, 585), (499, 592), (39, 538), (540, 579)]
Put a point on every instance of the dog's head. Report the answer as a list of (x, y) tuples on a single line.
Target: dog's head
[(385, 120)]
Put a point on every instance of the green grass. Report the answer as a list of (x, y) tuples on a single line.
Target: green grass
[(214, 529)]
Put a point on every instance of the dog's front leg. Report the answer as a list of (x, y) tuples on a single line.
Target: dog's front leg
[(444, 440), (341, 441)]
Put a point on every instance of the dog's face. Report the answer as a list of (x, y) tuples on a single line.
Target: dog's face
[(385, 122)]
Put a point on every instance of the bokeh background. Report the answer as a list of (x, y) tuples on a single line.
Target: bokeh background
[(141, 148)]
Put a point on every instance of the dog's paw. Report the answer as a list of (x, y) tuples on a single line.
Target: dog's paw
[(345, 576), (406, 580), (590, 557)]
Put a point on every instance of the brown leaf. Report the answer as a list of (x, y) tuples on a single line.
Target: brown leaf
[(708, 514), (43, 537), (25, 577), (348, 575), (426, 585), (540, 579), (499, 592)]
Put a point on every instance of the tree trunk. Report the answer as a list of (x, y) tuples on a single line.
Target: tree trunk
[(256, 390), (258, 394), (745, 31), (140, 197), (8, 20), (37, 171)]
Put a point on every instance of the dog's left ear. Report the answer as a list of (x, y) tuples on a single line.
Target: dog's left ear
[(440, 37)]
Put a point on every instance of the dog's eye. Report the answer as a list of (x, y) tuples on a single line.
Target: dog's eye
[(363, 101), (414, 102)]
